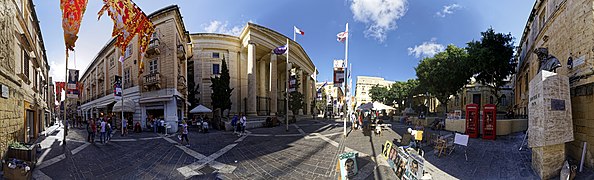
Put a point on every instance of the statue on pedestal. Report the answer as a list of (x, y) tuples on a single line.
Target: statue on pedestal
[(547, 62)]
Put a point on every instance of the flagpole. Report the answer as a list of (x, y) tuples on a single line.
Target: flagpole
[(65, 99), (122, 88), (287, 86), (346, 62)]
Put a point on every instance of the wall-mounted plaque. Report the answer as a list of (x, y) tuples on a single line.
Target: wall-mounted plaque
[(557, 105)]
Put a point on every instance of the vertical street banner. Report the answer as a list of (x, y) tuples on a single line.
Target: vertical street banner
[(72, 87), (338, 73), (117, 88), (293, 81)]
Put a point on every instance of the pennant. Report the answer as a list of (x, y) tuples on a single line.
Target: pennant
[(341, 37), (280, 50), (72, 15), (298, 31), (129, 20)]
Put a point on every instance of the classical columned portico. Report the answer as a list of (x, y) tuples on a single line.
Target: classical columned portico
[(252, 84)]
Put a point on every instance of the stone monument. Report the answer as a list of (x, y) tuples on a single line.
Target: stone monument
[(549, 117)]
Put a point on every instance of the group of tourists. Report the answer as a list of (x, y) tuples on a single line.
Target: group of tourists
[(101, 126)]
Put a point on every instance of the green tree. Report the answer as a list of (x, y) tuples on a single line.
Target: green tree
[(492, 59), (221, 92), (378, 93), (321, 104), (193, 91), (296, 98), (445, 73)]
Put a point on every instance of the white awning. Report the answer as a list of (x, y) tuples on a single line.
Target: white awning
[(200, 109), (104, 105), (127, 107)]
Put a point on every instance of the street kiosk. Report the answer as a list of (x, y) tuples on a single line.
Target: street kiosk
[(472, 123), (489, 121)]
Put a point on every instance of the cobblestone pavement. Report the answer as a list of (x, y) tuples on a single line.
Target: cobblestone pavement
[(308, 150)]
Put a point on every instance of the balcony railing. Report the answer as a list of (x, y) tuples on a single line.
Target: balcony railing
[(152, 80), (153, 47)]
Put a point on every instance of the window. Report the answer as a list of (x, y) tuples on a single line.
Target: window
[(542, 18), (129, 50), (26, 63), (153, 66), (491, 100), (215, 69), (127, 77), (111, 60), (215, 55)]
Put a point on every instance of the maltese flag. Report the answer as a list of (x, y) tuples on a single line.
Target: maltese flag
[(298, 31)]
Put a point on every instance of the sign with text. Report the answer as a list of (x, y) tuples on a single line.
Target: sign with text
[(71, 87), (117, 88)]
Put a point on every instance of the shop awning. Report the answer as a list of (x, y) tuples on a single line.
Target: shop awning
[(128, 106), (105, 104), (155, 99)]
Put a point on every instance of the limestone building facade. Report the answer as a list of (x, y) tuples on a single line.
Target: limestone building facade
[(159, 92), (476, 93), (24, 81), (258, 77), (566, 28), (334, 95), (364, 84)]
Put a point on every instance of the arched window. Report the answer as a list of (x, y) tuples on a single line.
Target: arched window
[(503, 100)]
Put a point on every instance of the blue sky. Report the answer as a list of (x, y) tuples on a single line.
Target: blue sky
[(387, 37)]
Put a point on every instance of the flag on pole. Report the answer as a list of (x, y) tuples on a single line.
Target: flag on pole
[(280, 50), (342, 36), (298, 31)]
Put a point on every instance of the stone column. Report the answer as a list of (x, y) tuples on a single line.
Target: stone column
[(262, 85), (252, 85), (273, 76), (550, 125), (300, 89), (307, 93)]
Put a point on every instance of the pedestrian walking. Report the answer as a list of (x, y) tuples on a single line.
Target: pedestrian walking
[(234, 124), (184, 133), (93, 131), (124, 126), (108, 131), (89, 131), (103, 128), (243, 122)]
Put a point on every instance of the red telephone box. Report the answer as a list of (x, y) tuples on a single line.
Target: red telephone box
[(489, 121), (472, 123)]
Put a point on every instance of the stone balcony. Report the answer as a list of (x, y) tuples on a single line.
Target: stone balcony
[(153, 48), (152, 80)]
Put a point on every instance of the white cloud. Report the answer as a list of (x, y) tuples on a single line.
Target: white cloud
[(426, 49), (222, 28), (448, 9), (379, 15)]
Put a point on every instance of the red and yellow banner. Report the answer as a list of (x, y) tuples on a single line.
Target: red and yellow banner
[(129, 20), (72, 14)]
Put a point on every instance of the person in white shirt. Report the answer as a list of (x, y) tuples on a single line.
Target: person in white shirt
[(103, 137), (243, 122), (124, 127)]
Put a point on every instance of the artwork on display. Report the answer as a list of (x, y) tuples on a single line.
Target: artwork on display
[(348, 164), (407, 164)]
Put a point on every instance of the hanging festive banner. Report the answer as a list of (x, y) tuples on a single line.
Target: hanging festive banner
[(72, 14), (59, 87), (117, 88), (72, 86), (129, 20)]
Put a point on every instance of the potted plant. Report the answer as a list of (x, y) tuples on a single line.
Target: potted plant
[(26, 152)]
